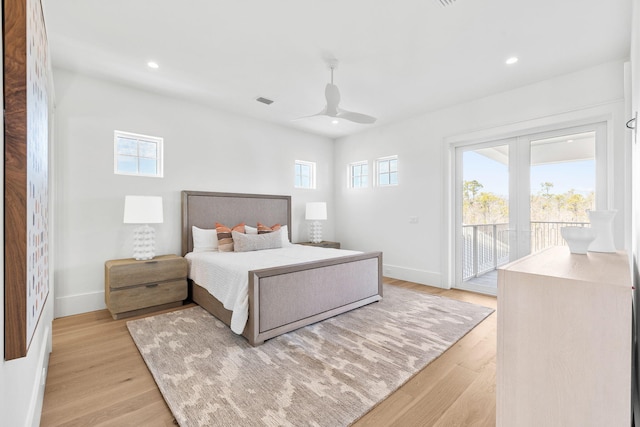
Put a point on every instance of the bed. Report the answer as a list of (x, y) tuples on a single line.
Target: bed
[(284, 298)]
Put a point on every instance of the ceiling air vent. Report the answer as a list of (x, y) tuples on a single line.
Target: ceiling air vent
[(264, 100), (445, 3)]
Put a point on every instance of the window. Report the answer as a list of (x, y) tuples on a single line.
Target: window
[(305, 174), (359, 174), (137, 154), (387, 168)]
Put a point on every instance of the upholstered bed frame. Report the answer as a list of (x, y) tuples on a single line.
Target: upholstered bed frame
[(281, 299)]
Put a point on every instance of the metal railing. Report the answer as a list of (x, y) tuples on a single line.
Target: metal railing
[(547, 233), (486, 246)]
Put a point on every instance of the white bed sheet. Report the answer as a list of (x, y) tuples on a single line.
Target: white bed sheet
[(225, 274)]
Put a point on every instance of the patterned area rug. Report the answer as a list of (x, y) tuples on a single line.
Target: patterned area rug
[(327, 374)]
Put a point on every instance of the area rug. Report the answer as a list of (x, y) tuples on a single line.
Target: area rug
[(327, 374)]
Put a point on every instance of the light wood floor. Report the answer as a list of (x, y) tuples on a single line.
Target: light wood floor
[(96, 377)]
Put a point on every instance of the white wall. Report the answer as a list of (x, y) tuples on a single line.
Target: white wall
[(378, 218), (204, 149)]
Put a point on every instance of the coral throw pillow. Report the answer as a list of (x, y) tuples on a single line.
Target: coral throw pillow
[(225, 239), (262, 229)]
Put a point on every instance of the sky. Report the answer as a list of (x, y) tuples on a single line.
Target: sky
[(494, 176)]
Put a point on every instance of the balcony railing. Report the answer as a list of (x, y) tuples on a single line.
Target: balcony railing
[(545, 233), (486, 246)]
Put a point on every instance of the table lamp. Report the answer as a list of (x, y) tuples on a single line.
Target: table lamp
[(315, 212), (143, 210)]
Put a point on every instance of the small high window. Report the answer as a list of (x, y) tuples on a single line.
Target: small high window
[(136, 154), (305, 174), (387, 168), (359, 174)]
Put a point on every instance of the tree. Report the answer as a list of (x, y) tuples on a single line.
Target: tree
[(545, 188), (542, 202), (575, 203), (492, 207), (485, 207), (470, 190)]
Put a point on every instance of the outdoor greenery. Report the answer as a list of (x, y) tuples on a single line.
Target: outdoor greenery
[(485, 207)]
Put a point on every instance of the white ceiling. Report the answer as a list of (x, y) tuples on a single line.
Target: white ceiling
[(396, 59)]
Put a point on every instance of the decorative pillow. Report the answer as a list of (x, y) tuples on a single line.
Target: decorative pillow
[(250, 230), (225, 238), (284, 232), (263, 229), (256, 242), (204, 240)]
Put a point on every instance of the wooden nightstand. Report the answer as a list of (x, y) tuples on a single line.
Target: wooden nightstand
[(136, 287), (323, 244)]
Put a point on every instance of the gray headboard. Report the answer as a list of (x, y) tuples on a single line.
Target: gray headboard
[(203, 209)]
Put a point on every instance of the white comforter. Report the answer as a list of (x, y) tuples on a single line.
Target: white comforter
[(225, 274)]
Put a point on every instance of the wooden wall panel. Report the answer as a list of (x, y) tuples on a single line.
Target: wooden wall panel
[(26, 172), (15, 178)]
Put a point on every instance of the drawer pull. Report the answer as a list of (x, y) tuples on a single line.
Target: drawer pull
[(151, 262), (154, 285)]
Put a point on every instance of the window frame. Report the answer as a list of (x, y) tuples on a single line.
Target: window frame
[(389, 159), (312, 174), (159, 143), (351, 175)]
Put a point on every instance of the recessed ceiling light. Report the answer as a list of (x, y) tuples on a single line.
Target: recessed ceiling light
[(335, 122), (569, 140), (153, 65), (512, 60)]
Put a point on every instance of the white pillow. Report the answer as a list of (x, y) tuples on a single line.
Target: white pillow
[(250, 230), (204, 240), (284, 231), (256, 242)]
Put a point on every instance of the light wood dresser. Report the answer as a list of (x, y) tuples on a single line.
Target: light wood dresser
[(136, 287), (564, 340)]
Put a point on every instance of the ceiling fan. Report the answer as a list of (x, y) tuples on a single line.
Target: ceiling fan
[(332, 94)]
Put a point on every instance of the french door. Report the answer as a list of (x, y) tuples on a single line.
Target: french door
[(514, 195)]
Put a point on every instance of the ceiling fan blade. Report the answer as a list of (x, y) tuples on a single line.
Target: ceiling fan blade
[(321, 113), (355, 117)]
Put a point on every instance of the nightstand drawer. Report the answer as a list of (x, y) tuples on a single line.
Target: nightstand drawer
[(124, 273), (122, 300)]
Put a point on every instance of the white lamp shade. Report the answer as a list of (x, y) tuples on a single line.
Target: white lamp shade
[(143, 210), (316, 211)]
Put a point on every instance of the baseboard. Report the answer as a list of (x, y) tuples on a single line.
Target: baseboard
[(37, 395), (79, 303), (422, 277)]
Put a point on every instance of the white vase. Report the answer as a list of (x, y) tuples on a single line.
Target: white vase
[(602, 223), (578, 238)]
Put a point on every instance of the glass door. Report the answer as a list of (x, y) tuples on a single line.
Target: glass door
[(514, 195), (484, 214), (563, 185)]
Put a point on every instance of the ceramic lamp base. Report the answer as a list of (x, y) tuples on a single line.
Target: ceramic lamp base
[(144, 243), (315, 232)]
